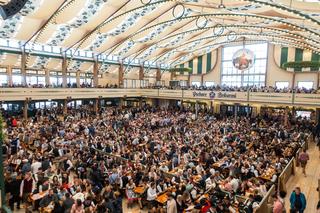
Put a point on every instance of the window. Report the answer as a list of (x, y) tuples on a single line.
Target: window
[(53, 80), (230, 76), (16, 79), (32, 80), (42, 80), (196, 83), (16, 71), (282, 84), (183, 83), (305, 84), (3, 80), (209, 83), (82, 81), (72, 80)]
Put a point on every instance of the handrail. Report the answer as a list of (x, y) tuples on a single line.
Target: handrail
[(20, 94), (263, 205), (285, 169)]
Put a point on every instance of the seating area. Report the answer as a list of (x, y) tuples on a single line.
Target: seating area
[(130, 153), (158, 106)]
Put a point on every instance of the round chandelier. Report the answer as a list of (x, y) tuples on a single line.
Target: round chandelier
[(243, 59)]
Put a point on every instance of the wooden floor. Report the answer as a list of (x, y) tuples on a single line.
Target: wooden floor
[(309, 183)]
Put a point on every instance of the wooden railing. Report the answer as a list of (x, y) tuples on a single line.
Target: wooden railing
[(21, 94), (263, 206)]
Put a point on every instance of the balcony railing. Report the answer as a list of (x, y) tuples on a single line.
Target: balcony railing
[(20, 94)]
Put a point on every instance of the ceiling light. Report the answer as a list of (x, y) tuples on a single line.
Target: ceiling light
[(221, 5)]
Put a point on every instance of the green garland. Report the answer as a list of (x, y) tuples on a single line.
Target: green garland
[(181, 69), (314, 65)]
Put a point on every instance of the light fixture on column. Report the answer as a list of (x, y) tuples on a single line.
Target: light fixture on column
[(221, 5)]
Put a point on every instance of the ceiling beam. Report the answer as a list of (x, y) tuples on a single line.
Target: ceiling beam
[(227, 26), (114, 47), (235, 15), (225, 35), (172, 31), (87, 35), (228, 42)]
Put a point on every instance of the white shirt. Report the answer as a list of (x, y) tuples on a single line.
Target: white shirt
[(210, 184), (151, 194), (35, 167), (79, 195), (234, 184)]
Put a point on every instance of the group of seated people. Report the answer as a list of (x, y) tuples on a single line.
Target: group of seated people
[(225, 88), (69, 85), (164, 160)]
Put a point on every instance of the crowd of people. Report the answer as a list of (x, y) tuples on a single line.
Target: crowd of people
[(166, 160), (68, 85), (224, 88)]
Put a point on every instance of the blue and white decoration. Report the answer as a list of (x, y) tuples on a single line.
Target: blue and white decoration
[(89, 10), (133, 18)]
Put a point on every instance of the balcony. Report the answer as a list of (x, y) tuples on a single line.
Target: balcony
[(20, 94)]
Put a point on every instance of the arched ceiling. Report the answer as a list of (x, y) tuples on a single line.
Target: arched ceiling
[(161, 31)]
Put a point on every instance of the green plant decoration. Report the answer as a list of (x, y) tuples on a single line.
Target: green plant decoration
[(313, 65), (181, 69)]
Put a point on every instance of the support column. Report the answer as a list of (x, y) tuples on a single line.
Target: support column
[(189, 83), (120, 76), (65, 106), (47, 76), (172, 75), (140, 102), (25, 108), (201, 82), (217, 108), (141, 75), (248, 112), (9, 73), (23, 68), (318, 82), (182, 107), (293, 79), (197, 108), (96, 105), (258, 110), (78, 78), (122, 102), (158, 75), (236, 111), (64, 72), (95, 74)]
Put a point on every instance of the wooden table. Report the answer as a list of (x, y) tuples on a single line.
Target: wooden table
[(162, 198), (268, 174), (139, 190), (197, 178), (39, 195), (218, 164)]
